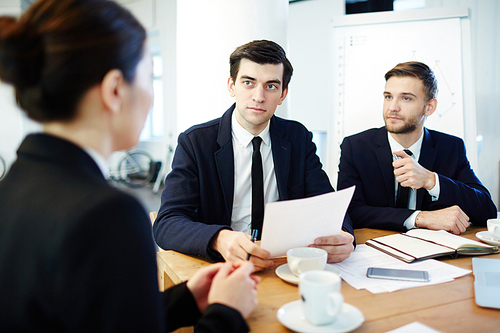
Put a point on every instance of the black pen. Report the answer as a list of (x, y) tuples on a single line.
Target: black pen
[(254, 238)]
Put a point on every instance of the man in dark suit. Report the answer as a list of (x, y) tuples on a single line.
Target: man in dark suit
[(206, 204), (442, 191)]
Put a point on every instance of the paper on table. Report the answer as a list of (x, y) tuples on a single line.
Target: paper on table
[(414, 327), (354, 270), (296, 223)]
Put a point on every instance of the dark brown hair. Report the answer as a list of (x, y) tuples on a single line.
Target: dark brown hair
[(262, 52), (59, 49), (419, 70)]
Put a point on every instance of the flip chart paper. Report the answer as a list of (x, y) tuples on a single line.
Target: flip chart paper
[(297, 223)]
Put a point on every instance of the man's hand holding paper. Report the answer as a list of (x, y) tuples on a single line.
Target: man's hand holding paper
[(339, 247), (314, 222)]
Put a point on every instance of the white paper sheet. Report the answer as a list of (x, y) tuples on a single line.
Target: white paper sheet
[(414, 328), (354, 270), (297, 223)]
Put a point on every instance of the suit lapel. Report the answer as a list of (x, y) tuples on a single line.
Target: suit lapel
[(224, 160), (384, 158), (427, 158), (281, 157)]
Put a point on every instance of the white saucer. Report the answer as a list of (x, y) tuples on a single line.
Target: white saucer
[(292, 316), (487, 238), (286, 274)]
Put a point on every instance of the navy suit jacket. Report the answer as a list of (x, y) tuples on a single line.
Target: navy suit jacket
[(77, 255), (197, 201), (366, 161)]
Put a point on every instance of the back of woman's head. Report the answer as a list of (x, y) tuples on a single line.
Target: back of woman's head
[(59, 49)]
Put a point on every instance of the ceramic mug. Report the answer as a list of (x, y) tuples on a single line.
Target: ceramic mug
[(494, 228), (303, 259), (319, 292)]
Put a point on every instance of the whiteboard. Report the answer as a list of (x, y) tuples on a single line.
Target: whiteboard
[(365, 46)]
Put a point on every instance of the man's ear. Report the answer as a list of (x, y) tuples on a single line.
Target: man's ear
[(230, 86), (283, 95), (430, 106), (112, 90)]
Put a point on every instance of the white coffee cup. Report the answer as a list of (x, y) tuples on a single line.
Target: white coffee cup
[(494, 228), (320, 296), (303, 259)]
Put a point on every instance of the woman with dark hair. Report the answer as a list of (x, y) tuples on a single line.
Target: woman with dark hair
[(76, 254)]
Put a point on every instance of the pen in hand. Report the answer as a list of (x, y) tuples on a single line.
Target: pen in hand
[(254, 238)]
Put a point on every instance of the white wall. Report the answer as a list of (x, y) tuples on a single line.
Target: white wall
[(309, 41), (207, 33), (10, 124), (485, 32), (10, 118), (143, 10), (10, 7)]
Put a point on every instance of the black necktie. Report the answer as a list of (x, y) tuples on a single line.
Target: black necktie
[(257, 187), (403, 192)]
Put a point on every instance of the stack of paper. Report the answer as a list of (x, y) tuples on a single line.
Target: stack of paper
[(354, 270)]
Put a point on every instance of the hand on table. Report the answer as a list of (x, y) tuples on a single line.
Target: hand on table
[(451, 219), (411, 174), (338, 247), (234, 246)]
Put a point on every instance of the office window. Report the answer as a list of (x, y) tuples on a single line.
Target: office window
[(153, 128)]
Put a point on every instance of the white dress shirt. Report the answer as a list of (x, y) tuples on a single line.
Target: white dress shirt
[(434, 192), (241, 218)]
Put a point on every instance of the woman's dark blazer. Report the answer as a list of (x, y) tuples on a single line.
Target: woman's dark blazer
[(76, 254)]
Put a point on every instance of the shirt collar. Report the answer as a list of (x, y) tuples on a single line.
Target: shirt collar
[(415, 148), (244, 137)]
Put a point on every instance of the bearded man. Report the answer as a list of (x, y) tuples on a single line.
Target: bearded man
[(406, 175)]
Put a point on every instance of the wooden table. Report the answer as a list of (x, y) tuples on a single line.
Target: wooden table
[(447, 307)]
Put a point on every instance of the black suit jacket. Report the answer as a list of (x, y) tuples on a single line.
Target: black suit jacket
[(197, 201), (366, 161), (77, 254)]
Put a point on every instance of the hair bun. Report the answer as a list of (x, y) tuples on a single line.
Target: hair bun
[(21, 54)]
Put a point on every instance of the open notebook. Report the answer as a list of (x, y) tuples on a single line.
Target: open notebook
[(419, 244), (487, 282)]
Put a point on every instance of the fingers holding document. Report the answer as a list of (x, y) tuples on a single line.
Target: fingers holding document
[(339, 247)]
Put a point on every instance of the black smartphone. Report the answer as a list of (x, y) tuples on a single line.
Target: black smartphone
[(397, 274)]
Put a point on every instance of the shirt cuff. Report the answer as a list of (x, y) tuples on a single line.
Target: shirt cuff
[(410, 221), (436, 190)]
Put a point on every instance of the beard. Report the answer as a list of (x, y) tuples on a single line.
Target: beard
[(405, 128), (408, 126)]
